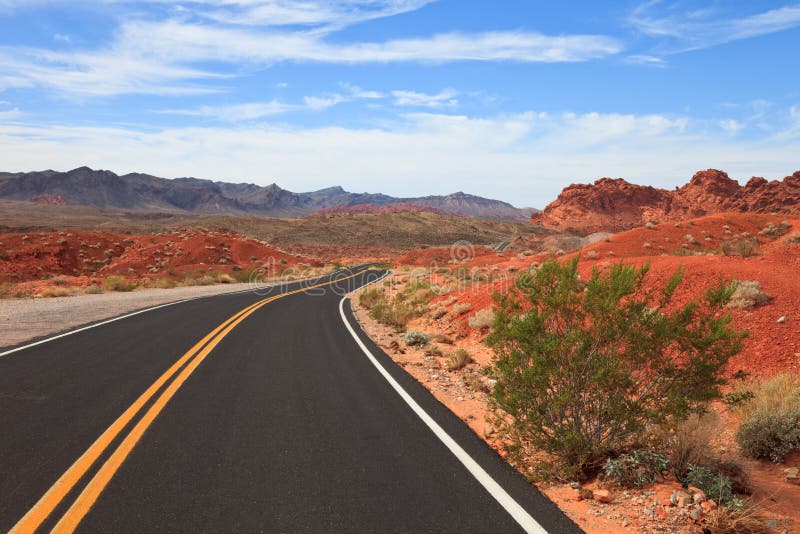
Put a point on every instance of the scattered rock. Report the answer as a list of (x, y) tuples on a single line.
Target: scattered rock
[(679, 498), (603, 496), (782, 319), (696, 513)]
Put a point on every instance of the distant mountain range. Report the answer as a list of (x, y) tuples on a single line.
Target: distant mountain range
[(135, 191)]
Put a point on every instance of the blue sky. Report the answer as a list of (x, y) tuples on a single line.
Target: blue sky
[(509, 99)]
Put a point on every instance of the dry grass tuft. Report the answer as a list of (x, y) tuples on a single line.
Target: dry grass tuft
[(726, 520), (458, 360)]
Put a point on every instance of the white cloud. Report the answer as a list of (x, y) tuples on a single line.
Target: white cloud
[(323, 102), (524, 158), (10, 114), (236, 112), (731, 125), (445, 98), (692, 30)]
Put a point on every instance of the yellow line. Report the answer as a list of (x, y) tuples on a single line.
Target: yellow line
[(45, 506)]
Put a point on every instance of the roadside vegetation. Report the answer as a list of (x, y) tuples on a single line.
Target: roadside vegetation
[(586, 370)]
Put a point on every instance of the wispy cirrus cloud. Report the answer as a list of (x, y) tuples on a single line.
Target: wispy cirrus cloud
[(445, 98), (683, 28), (170, 51)]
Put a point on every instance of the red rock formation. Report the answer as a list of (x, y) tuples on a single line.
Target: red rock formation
[(616, 205), (53, 200)]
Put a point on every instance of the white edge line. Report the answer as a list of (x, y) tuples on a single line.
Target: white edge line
[(95, 325), (520, 515)]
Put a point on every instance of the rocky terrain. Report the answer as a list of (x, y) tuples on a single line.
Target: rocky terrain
[(615, 204), (136, 191)]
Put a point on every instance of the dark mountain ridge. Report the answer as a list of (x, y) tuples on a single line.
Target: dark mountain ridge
[(137, 191)]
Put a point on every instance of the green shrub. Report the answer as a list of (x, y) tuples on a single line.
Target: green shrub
[(585, 368), (637, 469), (413, 337), (118, 283), (714, 484), (92, 290), (770, 434), (395, 312)]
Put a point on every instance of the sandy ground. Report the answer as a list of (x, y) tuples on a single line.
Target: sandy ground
[(25, 319)]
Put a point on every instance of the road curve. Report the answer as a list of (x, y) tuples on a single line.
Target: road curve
[(248, 413)]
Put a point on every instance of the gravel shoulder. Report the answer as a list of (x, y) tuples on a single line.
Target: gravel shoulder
[(26, 319)]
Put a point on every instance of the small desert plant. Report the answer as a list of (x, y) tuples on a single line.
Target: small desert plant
[(370, 297), (714, 484), (55, 292), (591, 255), (793, 239), (225, 278), (637, 469), (650, 225), (93, 290), (748, 294), (459, 359), (59, 281), (439, 312), (563, 344), (690, 239), (647, 245), (475, 383), (746, 520), (394, 312), (413, 337), (482, 319), (461, 309), (774, 230), (740, 247), (118, 283), (165, 283), (689, 442)]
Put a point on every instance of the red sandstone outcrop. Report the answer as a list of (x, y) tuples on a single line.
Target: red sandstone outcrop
[(615, 204)]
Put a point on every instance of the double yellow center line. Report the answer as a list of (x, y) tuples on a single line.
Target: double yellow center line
[(37, 515)]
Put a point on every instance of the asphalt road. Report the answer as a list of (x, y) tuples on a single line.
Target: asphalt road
[(278, 422)]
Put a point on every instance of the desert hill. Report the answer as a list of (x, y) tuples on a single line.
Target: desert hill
[(136, 191), (615, 204)]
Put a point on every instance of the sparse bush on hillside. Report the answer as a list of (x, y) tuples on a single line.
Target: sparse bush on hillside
[(690, 239), (165, 283), (730, 520), (118, 283), (748, 294), (439, 312), (650, 225), (562, 344), (92, 290), (370, 297), (745, 248), (775, 230), (413, 337), (793, 239), (461, 309), (459, 359), (591, 255), (482, 319)]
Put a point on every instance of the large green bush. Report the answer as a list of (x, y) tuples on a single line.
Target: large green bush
[(587, 368)]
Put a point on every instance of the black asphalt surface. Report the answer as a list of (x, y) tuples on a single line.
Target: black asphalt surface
[(285, 427)]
